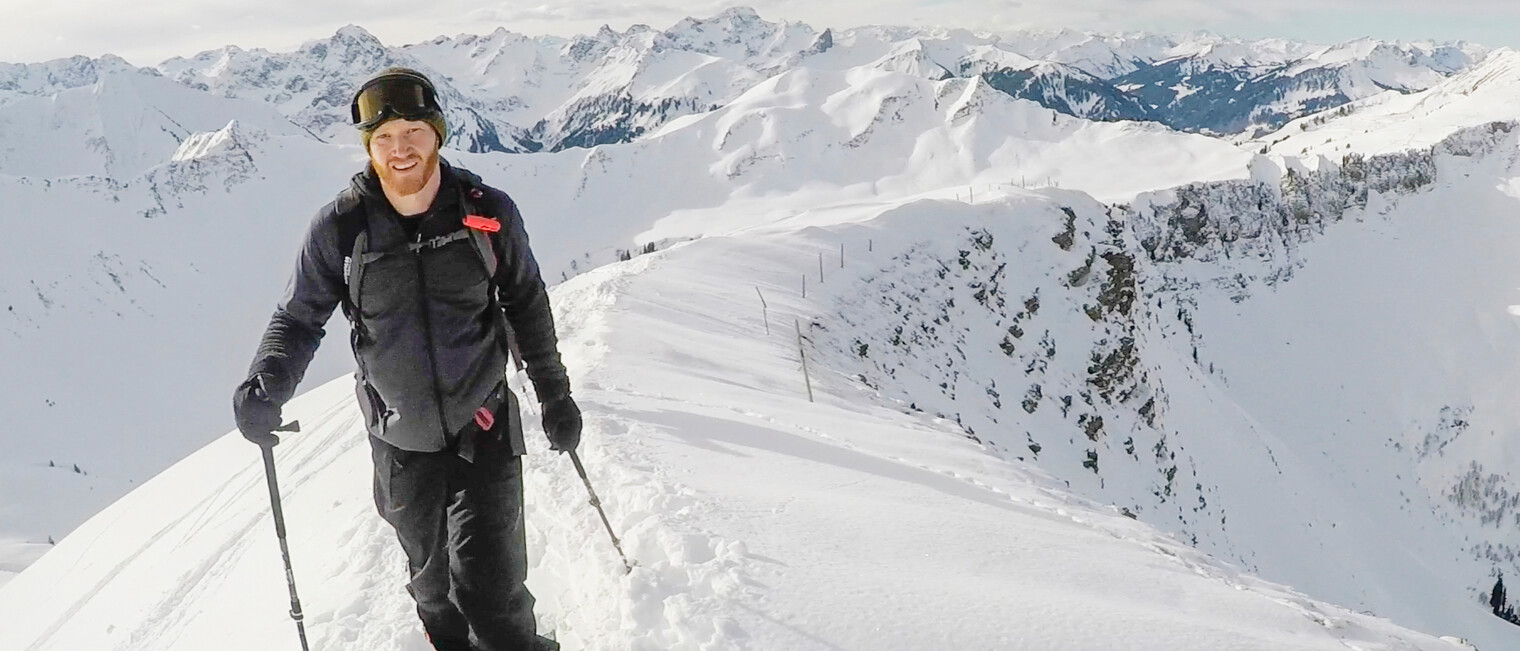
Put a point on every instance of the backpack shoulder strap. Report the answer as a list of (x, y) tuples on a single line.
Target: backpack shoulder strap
[(490, 252), (353, 236), (472, 199), (353, 224)]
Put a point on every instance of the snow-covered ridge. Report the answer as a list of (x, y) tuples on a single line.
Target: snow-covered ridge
[(1140, 354), (228, 140), (1282, 207), (757, 519), (57, 75)]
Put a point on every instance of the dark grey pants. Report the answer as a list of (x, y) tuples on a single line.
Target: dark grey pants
[(461, 525)]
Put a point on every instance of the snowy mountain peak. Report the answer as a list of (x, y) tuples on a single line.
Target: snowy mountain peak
[(352, 46), (913, 58), (823, 42), (732, 19), (62, 74), (228, 140), (966, 99), (585, 49), (354, 34), (739, 33), (739, 14)]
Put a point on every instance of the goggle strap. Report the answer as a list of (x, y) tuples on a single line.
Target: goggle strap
[(400, 95)]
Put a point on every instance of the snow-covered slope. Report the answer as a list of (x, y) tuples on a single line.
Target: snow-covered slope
[(1410, 418), (1489, 91), (116, 124), (120, 300), (685, 392), (756, 518), (1105, 350), (806, 139)]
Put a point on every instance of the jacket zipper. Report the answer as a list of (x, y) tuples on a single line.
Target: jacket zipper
[(427, 333)]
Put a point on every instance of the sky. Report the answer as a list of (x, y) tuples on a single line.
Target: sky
[(147, 33)]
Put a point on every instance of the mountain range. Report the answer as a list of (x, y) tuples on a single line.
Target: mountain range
[(513, 93), (1197, 359)]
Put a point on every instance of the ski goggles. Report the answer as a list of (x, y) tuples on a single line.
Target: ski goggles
[(393, 96)]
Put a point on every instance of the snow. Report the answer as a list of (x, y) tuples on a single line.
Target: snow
[(1344, 428), (140, 279), (1401, 66), (688, 74), (18, 79), (1370, 398), (1390, 122), (912, 57), (148, 257), (510, 92), (118, 126), (224, 141), (756, 519)]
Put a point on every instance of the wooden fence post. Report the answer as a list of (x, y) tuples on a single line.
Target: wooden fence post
[(764, 311), (803, 354)]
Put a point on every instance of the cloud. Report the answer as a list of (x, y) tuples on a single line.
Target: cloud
[(147, 33), (150, 31), (513, 12)]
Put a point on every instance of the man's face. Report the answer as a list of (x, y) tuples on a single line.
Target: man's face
[(404, 154)]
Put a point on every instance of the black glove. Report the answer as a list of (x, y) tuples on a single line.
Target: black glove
[(562, 423), (257, 416)]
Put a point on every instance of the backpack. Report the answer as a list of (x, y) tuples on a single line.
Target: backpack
[(353, 239)]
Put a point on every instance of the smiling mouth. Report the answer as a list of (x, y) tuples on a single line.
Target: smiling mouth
[(402, 167)]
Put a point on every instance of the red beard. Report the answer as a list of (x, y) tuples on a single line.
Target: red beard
[(409, 181)]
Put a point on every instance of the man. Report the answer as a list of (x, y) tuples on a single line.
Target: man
[(408, 251)]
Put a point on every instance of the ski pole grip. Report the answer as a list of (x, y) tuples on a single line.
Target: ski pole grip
[(292, 426)]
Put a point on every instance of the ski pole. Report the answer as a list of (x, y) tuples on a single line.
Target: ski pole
[(576, 459), (279, 528)]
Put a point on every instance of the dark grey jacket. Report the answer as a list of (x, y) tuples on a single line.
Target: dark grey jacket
[(429, 347)]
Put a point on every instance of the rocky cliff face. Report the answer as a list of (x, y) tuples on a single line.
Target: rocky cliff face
[(1086, 339)]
